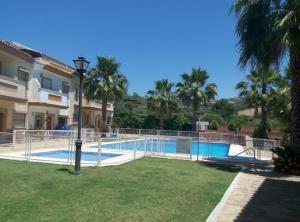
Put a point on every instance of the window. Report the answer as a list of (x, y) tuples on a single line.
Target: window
[(62, 121), (23, 75), (65, 87), (75, 115), (86, 119), (46, 83), (19, 120)]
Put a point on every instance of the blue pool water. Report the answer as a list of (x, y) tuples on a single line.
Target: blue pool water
[(63, 154), (169, 146)]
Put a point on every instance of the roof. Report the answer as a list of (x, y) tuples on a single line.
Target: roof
[(57, 66), (15, 51)]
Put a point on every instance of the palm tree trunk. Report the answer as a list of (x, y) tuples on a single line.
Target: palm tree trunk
[(194, 117), (295, 97), (256, 111), (161, 119), (104, 114), (264, 113)]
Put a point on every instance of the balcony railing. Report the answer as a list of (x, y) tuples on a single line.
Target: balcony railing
[(95, 104), (50, 97), (12, 89)]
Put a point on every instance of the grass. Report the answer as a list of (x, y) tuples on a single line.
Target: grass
[(148, 189)]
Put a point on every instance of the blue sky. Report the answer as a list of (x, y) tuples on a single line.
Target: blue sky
[(152, 39)]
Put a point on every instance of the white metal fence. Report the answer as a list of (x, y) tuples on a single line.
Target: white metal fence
[(127, 144)]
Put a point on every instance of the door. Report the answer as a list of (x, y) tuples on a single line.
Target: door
[(49, 123), (39, 122), (62, 121), (1, 122)]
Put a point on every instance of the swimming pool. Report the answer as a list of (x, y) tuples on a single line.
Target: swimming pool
[(64, 154), (169, 146)]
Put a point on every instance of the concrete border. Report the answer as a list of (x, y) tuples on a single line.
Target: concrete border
[(217, 210)]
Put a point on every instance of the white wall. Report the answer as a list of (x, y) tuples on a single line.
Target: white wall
[(11, 65)]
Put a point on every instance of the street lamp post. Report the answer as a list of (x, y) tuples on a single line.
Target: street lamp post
[(81, 65)]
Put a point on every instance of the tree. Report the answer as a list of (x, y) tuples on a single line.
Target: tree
[(214, 125), (288, 26), (265, 30), (105, 82), (225, 109), (258, 91), (162, 99), (194, 91)]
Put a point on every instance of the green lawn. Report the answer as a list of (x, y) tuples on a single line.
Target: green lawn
[(149, 189)]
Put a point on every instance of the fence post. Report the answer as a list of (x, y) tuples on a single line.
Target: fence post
[(45, 134), (152, 145), (164, 147), (30, 142), (198, 146), (99, 153), (14, 138), (191, 151), (145, 146), (26, 145), (134, 149)]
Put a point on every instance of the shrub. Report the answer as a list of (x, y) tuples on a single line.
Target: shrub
[(211, 117), (176, 122), (151, 122), (287, 159), (259, 133), (214, 125), (234, 125)]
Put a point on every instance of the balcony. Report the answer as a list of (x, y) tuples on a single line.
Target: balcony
[(96, 105), (11, 89), (91, 104), (49, 98)]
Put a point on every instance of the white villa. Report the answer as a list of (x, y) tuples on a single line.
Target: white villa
[(40, 92)]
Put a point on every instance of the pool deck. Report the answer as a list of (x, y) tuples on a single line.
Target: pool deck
[(125, 156), (260, 194)]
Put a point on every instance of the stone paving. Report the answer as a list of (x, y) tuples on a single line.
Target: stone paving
[(263, 195)]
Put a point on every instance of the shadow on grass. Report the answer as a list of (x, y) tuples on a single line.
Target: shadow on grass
[(220, 166), (275, 200), (261, 169), (67, 170)]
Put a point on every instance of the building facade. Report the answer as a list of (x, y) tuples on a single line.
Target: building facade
[(15, 69), (41, 93)]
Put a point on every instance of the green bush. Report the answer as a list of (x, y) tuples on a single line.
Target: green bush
[(129, 120), (234, 125), (151, 122), (211, 117), (287, 159), (176, 122), (214, 125), (259, 133)]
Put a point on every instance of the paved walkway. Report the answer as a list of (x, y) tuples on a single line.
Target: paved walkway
[(263, 195)]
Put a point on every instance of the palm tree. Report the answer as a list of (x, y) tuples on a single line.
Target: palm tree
[(258, 91), (161, 100), (194, 90), (288, 25), (280, 103), (106, 83), (265, 30)]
